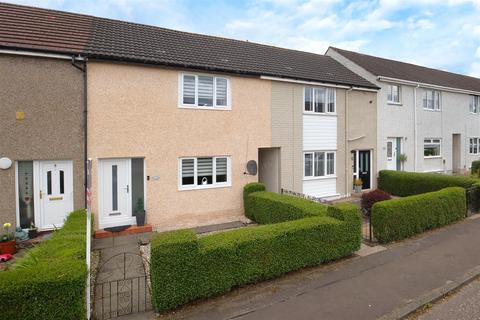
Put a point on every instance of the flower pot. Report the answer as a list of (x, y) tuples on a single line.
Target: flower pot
[(140, 216), (8, 247), (32, 233), (358, 189)]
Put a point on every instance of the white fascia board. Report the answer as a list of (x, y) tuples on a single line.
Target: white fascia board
[(40, 54), (315, 83), (425, 85)]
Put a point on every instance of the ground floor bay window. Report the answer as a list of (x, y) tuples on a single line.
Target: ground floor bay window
[(204, 172)]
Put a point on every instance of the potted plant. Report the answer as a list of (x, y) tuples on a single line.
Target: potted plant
[(402, 157), (32, 231), (140, 212), (7, 241), (357, 184)]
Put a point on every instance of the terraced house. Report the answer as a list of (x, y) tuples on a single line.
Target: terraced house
[(173, 118), (428, 115)]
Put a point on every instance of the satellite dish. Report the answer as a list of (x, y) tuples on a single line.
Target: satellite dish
[(252, 167)]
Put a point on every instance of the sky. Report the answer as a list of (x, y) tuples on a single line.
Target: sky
[(442, 34)]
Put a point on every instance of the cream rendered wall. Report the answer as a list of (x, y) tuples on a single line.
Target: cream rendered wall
[(133, 112)]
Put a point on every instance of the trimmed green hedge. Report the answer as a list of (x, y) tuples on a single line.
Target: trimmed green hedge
[(49, 281), (268, 207), (185, 267), (401, 218), (400, 183), (247, 190)]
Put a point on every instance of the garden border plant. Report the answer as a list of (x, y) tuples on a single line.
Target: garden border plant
[(185, 267), (49, 281), (401, 218)]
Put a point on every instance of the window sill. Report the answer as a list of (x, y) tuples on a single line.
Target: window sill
[(320, 178), (432, 110), (205, 108), (330, 114), (432, 157), (392, 103), (212, 186)]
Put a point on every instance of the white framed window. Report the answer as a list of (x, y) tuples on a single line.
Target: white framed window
[(432, 148), (431, 100), (319, 100), (204, 172), (204, 91), (474, 104), (474, 145), (319, 164), (393, 94)]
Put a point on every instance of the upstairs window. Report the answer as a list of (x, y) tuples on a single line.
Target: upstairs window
[(319, 100), (319, 164), (474, 104), (431, 100), (393, 93), (204, 91), (432, 148)]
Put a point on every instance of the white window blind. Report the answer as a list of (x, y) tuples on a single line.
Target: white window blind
[(221, 91), (189, 89), (204, 171), (205, 91)]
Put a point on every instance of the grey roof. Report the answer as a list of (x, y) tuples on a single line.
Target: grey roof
[(411, 72), (23, 27)]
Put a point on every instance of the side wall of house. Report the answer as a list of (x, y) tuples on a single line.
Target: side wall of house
[(134, 112), (50, 94)]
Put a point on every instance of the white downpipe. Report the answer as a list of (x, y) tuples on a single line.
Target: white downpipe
[(347, 155), (415, 143)]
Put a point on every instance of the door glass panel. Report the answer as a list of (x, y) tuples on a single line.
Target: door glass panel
[(49, 182), (114, 188), (389, 149), (62, 182), (25, 193), (137, 184)]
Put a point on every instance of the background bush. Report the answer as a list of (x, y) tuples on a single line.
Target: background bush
[(400, 183), (185, 268), (476, 168), (49, 281), (372, 197), (404, 217), (268, 207)]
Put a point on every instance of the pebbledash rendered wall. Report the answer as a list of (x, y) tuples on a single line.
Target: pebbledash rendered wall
[(133, 112), (50, 94)]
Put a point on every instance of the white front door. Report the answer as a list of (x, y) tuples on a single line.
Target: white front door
[(392, 154), (115, 200), (55, 182)]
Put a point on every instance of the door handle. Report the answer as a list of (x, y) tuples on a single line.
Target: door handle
[(128, 188), (41, 194)]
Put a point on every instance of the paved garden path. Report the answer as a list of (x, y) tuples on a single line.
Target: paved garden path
[(358, 288), (121, 283)]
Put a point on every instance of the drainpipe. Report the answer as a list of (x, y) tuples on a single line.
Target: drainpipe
[(84, 70), (347, 190), (415, 127)]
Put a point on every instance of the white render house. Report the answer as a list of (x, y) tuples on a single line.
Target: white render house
[(430, 116)]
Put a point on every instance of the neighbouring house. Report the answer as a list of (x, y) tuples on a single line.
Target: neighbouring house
[(430, 116), (41, 122), (173, 118)]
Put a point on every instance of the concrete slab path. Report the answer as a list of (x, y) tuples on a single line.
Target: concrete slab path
[(359, 288)]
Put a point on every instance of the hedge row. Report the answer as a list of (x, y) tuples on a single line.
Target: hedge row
[(404, 217), (49, 281), (400, 183), (268, 207), (185, 268), (476, 167)]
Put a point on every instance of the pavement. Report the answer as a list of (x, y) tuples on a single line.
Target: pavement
[(462, 305), (388, 284)]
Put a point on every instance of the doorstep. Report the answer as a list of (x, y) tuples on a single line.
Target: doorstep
[(99, 234)]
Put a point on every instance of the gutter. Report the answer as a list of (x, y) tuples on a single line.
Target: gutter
[(41, 54), (83, 69), (316, 83), (426, 85)]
